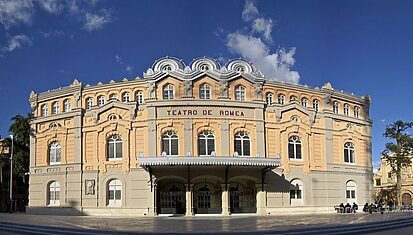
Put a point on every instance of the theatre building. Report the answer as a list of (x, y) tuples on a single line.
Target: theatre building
[(201, 138)]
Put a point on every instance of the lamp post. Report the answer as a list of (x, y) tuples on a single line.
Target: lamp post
[(11, 176)]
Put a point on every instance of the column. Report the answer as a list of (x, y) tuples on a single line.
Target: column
[(188, 137), (225, 137), (261, 199), (152, 142), (189, 200), (225, 200), (152, 199)]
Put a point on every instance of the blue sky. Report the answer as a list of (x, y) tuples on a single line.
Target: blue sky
[(359, 46)]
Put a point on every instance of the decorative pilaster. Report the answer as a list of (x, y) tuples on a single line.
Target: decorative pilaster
[(261, 199), (225, 200), (189, 200)]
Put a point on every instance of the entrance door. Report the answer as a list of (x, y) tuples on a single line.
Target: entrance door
[(172, 201), (204, 200), (406, 199), (234, 196)]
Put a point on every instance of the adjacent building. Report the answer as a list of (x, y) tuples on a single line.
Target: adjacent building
[(198, 139)]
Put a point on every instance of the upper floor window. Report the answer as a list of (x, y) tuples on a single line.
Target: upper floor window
[(205, 91), (206, 143), (346, 109), (170, 144), (114, 147), (293, 98), (55, 108), (44, 110), (356, 112), (167, 68), (115, 193), (55, 153), (113, 97), (269, 99), (54, 194), (101, 100), (336, 107), (349, 152), (351, 192), (294, 147), (139, 97), (204, 67), (168, 92), (242, 144), (125, 97), (304, 102), (281, 99), (67, 105), (89, 103), (316, 105), (240, 93), (296, 193)]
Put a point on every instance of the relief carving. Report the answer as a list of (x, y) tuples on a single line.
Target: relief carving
[(90, 187), (187, 88), (223, 90)]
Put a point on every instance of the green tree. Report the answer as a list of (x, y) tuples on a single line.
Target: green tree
[(398, 152)]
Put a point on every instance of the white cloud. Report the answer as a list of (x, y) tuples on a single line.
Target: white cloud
[(54, 33), (95, 22), (118, 59), (129, 68), (250, 11), (263, 26), (15, 12), (51, 6), (16, 42)]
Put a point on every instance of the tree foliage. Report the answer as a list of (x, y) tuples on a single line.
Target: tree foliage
[(386, 195)]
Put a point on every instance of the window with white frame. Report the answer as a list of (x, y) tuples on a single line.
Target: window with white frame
[(281, 99), (115, 193), (351, 195), (54, 194), (101, 100), (240, 93), (316, 105), (349, 152), (356, 112), (205, 91), (114, 147), (206, 143), (294, 148), (55, 153), (296, 193), (125, 97), (170, 143), (113, 97), (336, 107), (304, 102), (67, 105), (293, 98), (168, 92), (242, 144), (44, 110), (269, 98), (89, 103), (55, 108), (139, 97), (346, 109)]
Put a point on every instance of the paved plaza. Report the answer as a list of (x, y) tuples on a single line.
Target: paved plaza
[(205, 224)]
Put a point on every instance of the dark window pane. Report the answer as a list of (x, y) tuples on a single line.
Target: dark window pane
[(211, 146), (291, 151), (348, 194), (353, 194), (111, 195), (298, 194), (346, 155), (201, 147), (292, 194), (58, 155), (238, 146), (246, 147), (174, 147), (111, 150), (352, 156), (51, 196), (298, 149), (165, 146), (57, 196), (118, 150), (118, 194)]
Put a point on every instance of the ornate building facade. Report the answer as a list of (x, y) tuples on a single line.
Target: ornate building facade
[(196, 139)]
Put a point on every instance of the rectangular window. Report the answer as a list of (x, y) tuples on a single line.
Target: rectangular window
[(291, 151), (292, 194), (58, 155), (348, 194), (118, 194), (211, 146), (353, 194), (389, 175), (174, 147), (298, 149), (118, 150), (298, 194), (201, 147), (378, 182), (238, 146), (346, 157), (110, 151), (165, 146), (246, 148)]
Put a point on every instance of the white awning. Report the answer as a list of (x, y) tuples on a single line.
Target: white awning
[(210, 160)]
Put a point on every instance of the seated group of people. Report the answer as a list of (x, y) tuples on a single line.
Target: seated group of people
[(346, 208)]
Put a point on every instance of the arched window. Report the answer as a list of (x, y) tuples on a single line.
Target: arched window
[(204, 197), (316, 105), (336, 107), (242, 144), (170, 143), (292, 98), (351, 192), (206, 143), (269, 99), (346, 109), (115, 193), (89, 103), (54, 194), (67, 105), (281, 99), (205, 91), (167, 68), (113, 96), (55, 108), (55, 153), (304, 102), (168, 92), (240, 93), (139, 97), (101, 100), (125, 97), (44, 110), (114, 147), (204, 67), (356, 112), (348, 152), (406, 199), (294, 147), (296, 193)]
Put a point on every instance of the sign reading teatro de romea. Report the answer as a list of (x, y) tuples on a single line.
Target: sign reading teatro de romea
[(205, 112)]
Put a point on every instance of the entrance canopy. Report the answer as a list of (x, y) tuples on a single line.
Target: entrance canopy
[(210, 161)]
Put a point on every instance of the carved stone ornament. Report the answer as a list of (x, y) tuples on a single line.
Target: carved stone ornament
[(152, 89), (327, 99), (90, 187), (258, 91), (223, 90), (188, 88)]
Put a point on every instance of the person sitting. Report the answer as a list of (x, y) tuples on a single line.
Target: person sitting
[(366, 207), (354, 208), (348, 207), (341, 208)]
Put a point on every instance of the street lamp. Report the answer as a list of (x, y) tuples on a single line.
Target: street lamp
[(11, 176)]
